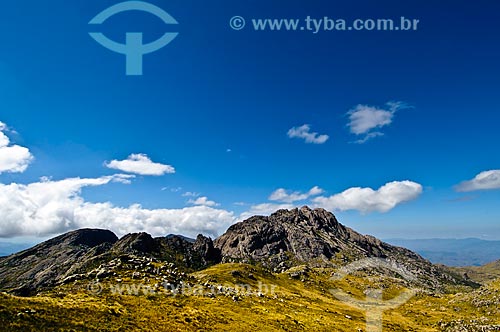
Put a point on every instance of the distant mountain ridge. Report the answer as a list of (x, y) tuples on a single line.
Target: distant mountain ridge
[(285, 239), (453, 252), (73, 255)]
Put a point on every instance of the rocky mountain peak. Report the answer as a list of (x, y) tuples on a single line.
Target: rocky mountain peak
[(284, 239), (49, 262), (72, 255), (136, 242), (317, 218), (305, 233), (83, 237), (313, 236)]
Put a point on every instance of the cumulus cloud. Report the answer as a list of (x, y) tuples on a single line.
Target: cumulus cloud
[(53, 207), (190, 194), (486, 180), (264, 209), (13, 158), (368, 200), (140, 164), (304, 132), (282, 195), (203, 201), (365, 120)]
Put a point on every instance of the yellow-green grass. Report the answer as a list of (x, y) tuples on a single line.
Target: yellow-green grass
[(482, 273), (292, 305)]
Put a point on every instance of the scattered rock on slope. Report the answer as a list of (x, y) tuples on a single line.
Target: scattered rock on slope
[(298, 236), (50, 262)]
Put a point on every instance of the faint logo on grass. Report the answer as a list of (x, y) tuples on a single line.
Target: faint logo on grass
[(95, 288), (374, 305), (134, 49), (182, 288)]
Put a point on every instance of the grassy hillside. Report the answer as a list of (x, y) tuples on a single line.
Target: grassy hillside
[(483, 273), (297, 300)]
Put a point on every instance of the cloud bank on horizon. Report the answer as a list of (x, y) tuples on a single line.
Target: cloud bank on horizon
[(367, 200), (52, 207), (49, 207)]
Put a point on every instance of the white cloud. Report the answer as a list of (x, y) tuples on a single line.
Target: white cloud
[(190, 194), (13, 158), (368, 137), (366, 120), (368, 200), (264, 209), (282, 195), (486, 180), (53, 207), (303, 132), (204, 201), (140, 164)]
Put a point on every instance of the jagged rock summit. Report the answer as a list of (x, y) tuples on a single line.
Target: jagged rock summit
[(305, 233), (75, 254), (48, 262), (285, 239), (306, 236)]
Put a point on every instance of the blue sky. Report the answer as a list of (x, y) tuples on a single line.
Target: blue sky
[(222, 108)]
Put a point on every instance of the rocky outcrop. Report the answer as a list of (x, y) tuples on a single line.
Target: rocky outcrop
[(196, 254), (142, 243), (71, 256), (304, 233), (50, 262), (286, 239), (204, 246), (306, 236)]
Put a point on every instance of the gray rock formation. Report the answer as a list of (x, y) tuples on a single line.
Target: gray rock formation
[(306, 236), (72, 255), (50, 262), (278, 242)]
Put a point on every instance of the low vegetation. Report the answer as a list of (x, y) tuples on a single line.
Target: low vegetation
[(241, 297)]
